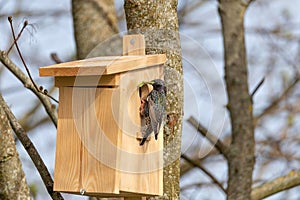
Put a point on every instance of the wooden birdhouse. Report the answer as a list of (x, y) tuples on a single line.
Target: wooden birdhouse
[(99, 125)]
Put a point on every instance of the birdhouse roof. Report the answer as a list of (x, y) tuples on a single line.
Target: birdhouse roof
[(103, 65)]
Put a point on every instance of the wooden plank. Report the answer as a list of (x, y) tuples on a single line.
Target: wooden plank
[(105, 80), (141, 166), (102, 65), (86, 153), (142, 62), (99, 134), (133, 45), (68, 148)]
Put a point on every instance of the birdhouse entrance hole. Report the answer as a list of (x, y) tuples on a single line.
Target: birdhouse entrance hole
[(97, 151), (144, 91)]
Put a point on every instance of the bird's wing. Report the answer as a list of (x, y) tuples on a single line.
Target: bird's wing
[(146, 127), (155, 114)]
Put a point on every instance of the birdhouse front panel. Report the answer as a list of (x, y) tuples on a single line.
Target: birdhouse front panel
[(86, 133), (98, 149)]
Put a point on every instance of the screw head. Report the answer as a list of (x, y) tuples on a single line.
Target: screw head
[(82, 191), (132, 41)]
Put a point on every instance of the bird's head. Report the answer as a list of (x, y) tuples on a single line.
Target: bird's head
[(158, 85)]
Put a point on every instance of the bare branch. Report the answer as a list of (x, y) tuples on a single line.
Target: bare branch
[(31, 150), (279, 50), (43, 91), (198, 185), (277, 185), (41, 121), (258, 86), (50, 108), (19, 35), (277, 101), (188, 8), (54, 13), (19, 52), (55, 58), (26, 119), (46, 93), (205, 171), (219, 145), (213, 154)]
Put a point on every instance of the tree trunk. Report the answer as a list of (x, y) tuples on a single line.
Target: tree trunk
[(241, 156), (94, 21), (12, 178), (157, 20)]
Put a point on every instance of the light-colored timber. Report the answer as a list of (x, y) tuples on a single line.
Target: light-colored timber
[(102, 65), (99, 125)]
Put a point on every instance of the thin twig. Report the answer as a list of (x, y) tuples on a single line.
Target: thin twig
[(282, 52), (192, 185), (24, 63), (31, 150), (205, 171), (277, 101), (40, 121), (19, 35), (26, 118), (49, 107), (219, 145), (20, 54), (55, 58), (45, 92), (54, 13), (257, 87)]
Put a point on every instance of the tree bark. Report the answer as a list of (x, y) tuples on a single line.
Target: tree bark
[(241, 154), (94, 21), (12, 178), (31, 150), (158, 21)]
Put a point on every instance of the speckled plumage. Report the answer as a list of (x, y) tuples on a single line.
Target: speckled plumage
[(153, 109)]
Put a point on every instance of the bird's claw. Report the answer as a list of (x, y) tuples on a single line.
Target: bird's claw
[(143, 141)]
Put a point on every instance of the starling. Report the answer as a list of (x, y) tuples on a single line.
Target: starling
[(152, 109)]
